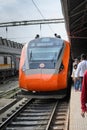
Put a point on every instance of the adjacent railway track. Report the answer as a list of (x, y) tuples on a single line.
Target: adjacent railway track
[(39, 114), (9, 93)]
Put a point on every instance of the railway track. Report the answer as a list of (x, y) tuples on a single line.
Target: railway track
[(35, 114), (9, 93), (7, 80), (9, 89)]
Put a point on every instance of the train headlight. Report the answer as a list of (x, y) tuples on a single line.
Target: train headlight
[(61, 67)]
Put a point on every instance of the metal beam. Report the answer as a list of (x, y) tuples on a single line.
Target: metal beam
[(31, 22), (79, 5), (77, 13)]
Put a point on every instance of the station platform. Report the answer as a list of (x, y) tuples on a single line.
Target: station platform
[(77, 122)]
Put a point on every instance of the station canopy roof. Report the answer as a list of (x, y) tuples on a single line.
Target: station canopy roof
[(75, 14)]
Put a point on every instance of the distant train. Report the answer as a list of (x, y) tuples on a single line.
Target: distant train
[(45, 67), (9, 65), (9, 58)]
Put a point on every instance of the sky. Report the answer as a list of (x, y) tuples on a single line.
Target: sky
[(19, 10)]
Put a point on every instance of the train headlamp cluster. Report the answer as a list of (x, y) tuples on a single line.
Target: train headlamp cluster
[(61, 67)]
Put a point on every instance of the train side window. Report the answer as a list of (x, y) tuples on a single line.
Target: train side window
[(9, 60), (5, 60), (1, 60), (1, 41)]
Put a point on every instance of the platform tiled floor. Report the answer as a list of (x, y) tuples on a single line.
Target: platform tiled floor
[(77, 122)]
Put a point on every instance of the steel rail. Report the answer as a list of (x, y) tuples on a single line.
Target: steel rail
[(6, 122), (51, 115)]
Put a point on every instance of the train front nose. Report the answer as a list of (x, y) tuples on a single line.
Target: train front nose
[(45, 80)]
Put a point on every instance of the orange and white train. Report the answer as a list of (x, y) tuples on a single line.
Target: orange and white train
[(45, 67)]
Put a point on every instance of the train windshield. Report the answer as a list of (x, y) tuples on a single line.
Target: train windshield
[(45, 52)]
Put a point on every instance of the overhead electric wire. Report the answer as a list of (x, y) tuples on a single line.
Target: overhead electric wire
[(41, 13)]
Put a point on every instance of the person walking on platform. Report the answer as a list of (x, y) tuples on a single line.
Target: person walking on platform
[(81, 68), (84, 95)]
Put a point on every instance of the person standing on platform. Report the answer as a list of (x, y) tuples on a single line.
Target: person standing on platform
[(76, 61), (81, 68), (76, 81), (84, 95)]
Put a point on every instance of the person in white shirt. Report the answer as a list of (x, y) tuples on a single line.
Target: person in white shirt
[(81, 68), (76, 81)]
